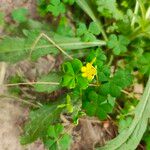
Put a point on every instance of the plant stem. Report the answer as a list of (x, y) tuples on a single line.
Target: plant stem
[(111, 60), (20, 100), (31, 83)]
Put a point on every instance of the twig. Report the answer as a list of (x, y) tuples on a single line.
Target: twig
[(129, 94), (19, 99), (2, 72), (31, 83), (51, 41)]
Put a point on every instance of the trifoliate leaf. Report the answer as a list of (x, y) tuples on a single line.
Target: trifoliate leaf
[(68, 81), (98, 105), (122, 78), (108, 8), (56, 7), (82, 29), (64, 28), (82, 82), (103, 73), (76, 65), (57, 139), (118, 44), (94, 28), (114, 85), (88, 34), (67, 67)]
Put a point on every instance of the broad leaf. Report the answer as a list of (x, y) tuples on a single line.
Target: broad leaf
[(39, 123), (15, 49), (53, 79)]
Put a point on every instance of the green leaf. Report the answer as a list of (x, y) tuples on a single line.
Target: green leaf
[(146, 139), (86, 34), (114, 85), (39, 123), (103, 73), (57, 140), (51, 78), (67, 68), (143, 63), (68, 81), (56, 7), (65, 142), (89, 37), (131, 137), (93, 28), (118, 44), (122, 78), (98, 105), (55, 131), (114, 90), (15, 49), (76, 65), (86, 6), (124, 123), (82, 29), (108, 8), (64, 28), (20, 15), (70, 2), (82, 82)]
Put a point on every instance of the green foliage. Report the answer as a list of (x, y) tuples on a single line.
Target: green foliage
[(56, 7), (64, 28), (109, 8), (72, 77), (118, 44), (20, 15), (98, 105), (146, 139), (39, 123), (16, 49), (124, 123), (130, 138), (57, 140), (119, 81), (88, 34), (71, 2), (104, 46)]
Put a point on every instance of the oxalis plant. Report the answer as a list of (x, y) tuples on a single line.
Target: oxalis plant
[(103, 55)]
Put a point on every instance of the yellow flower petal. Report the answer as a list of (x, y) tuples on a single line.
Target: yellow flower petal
[(83, 69), (84, 75), (89, 71), (90, 77)]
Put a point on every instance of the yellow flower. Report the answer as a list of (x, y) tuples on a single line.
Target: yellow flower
[(89, 71)]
